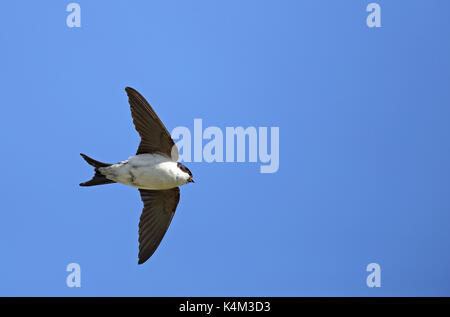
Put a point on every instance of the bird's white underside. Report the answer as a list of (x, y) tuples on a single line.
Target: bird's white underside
[(147, 171)]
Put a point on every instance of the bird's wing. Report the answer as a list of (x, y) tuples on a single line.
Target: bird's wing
[(159, 208), (154, 135)]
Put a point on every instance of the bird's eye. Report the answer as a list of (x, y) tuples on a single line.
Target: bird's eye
[(184, 168)]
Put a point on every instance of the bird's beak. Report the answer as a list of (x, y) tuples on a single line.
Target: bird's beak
[(191, 180)]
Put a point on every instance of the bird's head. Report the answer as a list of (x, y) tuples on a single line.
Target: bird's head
[(187, 173)]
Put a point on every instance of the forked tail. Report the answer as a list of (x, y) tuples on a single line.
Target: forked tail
[(99, 178)]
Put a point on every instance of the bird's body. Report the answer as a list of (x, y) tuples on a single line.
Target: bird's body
[(147, 171), (154, 170)]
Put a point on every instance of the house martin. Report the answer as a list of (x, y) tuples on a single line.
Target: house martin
[(154, 171)]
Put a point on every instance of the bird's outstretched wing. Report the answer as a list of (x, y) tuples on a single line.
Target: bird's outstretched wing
[(154, 135), (159, 208)]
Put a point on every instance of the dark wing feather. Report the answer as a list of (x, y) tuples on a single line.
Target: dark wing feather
[(159, 208), (154, 135)]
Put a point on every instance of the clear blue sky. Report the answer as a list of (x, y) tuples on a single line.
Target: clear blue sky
[(364, 146)]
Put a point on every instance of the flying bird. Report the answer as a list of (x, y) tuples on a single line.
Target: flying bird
[(154, 171)]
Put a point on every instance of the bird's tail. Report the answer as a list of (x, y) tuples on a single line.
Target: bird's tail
[(99, 178)]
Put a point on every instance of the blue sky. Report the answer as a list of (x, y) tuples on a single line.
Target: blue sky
[(364, 127)]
